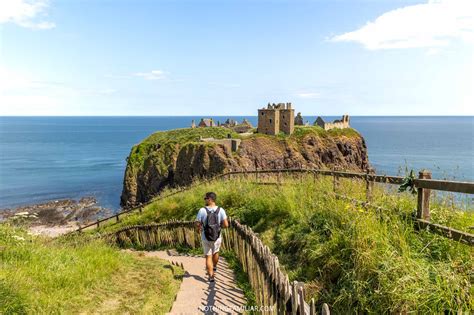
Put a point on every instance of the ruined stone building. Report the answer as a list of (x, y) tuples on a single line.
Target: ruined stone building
[(299, 120), (206, 122), (338, 123), (244, 126), (230, 123), (276, 118), (231, 144)]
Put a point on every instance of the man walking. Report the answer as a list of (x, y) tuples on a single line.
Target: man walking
[(210, 219)]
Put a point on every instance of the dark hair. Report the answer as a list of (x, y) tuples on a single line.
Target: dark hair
[(211, 195)]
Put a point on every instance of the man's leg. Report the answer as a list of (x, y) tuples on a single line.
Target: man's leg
[(209, 265), (215, 254), (215, 259), (207, 249)]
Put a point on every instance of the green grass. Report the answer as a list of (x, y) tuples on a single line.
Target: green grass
[(355, 259), (79, 275), (161, 147)]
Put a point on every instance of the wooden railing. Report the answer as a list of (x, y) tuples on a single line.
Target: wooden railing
[(270, 283), (423, 183)]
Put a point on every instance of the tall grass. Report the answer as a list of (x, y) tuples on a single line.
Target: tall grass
[(356, 259), (38, 276)]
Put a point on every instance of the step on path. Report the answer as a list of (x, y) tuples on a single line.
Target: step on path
[(196, 294)]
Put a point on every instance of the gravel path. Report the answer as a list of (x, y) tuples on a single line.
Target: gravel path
[(196, 295)]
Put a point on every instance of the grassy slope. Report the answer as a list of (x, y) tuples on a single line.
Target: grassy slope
[(37, 276), (354, 259), (160, 146)]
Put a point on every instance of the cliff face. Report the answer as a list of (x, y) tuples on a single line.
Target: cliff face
[(175, 163)]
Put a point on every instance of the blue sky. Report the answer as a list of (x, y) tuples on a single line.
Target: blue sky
[(231, 57)]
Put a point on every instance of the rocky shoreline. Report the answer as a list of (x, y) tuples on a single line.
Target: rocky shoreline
[(57, 216)]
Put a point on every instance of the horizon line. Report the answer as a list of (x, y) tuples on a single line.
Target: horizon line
[(242, 115)]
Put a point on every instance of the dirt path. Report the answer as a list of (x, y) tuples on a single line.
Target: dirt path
[(52, 231), (196, 294)]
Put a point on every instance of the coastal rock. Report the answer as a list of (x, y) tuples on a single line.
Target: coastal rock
[(183, 162), (56, 213)]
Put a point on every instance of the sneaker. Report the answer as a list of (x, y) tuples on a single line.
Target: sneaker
[(211, 279), (215, 269)]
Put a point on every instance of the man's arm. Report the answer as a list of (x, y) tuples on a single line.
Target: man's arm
[(198, 222), (225, 222), (198, 225)]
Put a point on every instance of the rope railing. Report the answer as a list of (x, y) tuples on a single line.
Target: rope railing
[(270, 283), (422, 218)]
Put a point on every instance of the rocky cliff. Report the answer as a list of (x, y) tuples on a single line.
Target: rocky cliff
[(173, 158)]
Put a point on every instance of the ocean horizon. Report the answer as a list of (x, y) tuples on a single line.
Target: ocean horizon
[(45, 158)]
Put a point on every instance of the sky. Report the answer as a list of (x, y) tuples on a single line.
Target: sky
[(231, 57)]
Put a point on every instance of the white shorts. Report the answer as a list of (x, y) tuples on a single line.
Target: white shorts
[(210, 248)]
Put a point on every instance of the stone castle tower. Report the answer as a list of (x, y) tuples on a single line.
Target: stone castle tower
[(276, 118)]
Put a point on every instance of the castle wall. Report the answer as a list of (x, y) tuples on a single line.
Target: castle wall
[(287, 120), (337, 124), (268, 121), (231, 144)]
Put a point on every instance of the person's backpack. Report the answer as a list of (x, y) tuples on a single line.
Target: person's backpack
[(212, 228)]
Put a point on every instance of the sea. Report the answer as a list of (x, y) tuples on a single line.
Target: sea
[(49, 158)]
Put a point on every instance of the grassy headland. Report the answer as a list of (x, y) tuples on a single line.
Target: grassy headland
[(41, 276), (162, 144), (355, 259)]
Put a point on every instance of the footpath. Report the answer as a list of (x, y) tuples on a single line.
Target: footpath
[(196, 294)]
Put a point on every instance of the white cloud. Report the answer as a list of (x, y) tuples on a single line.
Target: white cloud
[(433, 24), (310, 95), (25, 13), (152, 75)]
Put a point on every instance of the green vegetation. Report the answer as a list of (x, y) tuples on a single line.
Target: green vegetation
[(79, 275), (301, 131), (355, 259), (160, 147)]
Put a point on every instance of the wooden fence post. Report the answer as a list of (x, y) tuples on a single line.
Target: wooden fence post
[(335, 178), (301, 297), (423, 205), (294, 298), (369, 185), (312, 307), (325, 310)]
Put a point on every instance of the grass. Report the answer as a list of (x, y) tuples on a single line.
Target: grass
[(161, 147), (355, 259), (38, 276)]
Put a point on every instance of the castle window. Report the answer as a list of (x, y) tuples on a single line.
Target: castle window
[(263, 113), (270, 121)]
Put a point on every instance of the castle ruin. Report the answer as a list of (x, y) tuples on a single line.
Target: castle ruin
[(299, 120), (232, 145), (206, 122), (276, 118), (338, 123)]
